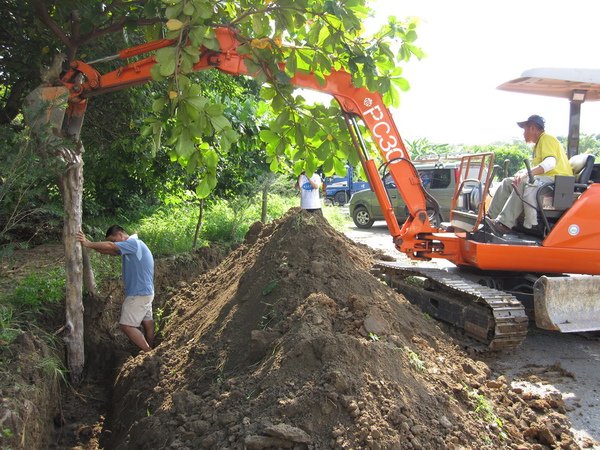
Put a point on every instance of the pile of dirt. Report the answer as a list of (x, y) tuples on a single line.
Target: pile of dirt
[(291, 343)]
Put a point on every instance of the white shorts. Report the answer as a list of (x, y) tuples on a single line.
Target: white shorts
[(135, 309)]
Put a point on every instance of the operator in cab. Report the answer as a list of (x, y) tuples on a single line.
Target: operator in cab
[(515, 195)]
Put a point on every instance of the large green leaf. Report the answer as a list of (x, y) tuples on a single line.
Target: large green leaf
[(211, 158), (166, 60), (268, 136)]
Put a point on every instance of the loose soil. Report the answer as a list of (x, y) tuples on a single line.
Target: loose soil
[(290, 342)]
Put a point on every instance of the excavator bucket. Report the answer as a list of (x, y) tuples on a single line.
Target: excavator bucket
[(568, 303), (46, 105)]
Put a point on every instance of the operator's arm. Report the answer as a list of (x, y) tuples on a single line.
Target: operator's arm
[(105, 247), (546, 165)]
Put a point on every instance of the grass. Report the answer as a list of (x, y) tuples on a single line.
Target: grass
[(373, 337), (169, 229), (415, 360), (9, 329), (39, 290), (485, 410), (53, 368), (336, 218), (32, 297)]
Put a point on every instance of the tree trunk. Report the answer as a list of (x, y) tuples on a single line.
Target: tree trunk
[(12, 104), (71, 185), (198, 224), (89, 280), (265, 196), (265, 203)]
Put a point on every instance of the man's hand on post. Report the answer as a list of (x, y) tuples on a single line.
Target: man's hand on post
[(80, 237)]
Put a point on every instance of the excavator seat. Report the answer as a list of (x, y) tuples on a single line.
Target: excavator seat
[(582, 166), (555, 197)]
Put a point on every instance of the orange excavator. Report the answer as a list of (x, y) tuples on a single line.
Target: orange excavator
[(481, 295)]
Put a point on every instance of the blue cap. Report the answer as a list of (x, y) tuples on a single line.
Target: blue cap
[(535, 119)]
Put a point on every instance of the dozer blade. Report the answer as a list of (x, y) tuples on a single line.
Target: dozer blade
[(568, 303)]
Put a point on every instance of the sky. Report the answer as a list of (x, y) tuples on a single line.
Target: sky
[(473, 46)]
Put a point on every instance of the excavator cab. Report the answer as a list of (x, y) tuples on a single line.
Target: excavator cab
[(553, 199)]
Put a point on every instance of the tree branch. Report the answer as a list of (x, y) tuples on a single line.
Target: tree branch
[(118, 26), (75, 18), (42, 13)]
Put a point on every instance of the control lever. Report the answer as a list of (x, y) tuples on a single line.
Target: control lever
[(529, 174)]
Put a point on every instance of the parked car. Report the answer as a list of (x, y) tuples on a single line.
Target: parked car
[(438, 178)]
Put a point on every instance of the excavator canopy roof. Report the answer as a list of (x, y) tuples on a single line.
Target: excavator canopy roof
[(572, 84)]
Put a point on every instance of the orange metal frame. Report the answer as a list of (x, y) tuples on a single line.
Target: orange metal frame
[(572, 246)]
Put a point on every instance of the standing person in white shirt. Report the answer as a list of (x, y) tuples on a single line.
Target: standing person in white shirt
[(309, 192)]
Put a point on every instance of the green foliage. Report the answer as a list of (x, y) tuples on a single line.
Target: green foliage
[(53, 368), (209, 126), (159, 320), (9, 329), (30, 202), (415, 361), (587, 144), (423, 148), (515, 153), (270, 287), (336, 218), (277, 40), (485, 410), (34, 295), (37, 291), (169, 229)]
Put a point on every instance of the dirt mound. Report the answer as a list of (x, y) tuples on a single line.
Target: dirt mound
[(291, 343)]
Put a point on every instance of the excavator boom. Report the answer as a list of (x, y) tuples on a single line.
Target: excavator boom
[(83, 81)]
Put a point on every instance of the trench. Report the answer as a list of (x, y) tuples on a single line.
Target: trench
[(83, 416)]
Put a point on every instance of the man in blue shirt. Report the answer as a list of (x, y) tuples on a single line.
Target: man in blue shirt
[(138, 277)]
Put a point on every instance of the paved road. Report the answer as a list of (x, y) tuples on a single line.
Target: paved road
[(545, 362)]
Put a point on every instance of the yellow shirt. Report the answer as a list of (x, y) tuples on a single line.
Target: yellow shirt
[(549, 146)]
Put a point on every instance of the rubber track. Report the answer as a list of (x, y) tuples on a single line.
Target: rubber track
[(488, 315)]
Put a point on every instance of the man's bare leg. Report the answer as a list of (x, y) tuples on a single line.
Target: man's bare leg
[(149, 331), (136, 336)]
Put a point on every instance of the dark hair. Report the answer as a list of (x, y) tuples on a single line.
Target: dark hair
[(114, 229)]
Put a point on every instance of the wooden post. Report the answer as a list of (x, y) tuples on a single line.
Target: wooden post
[(71, 185)]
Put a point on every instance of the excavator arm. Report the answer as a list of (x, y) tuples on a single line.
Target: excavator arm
[(83, 81)]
